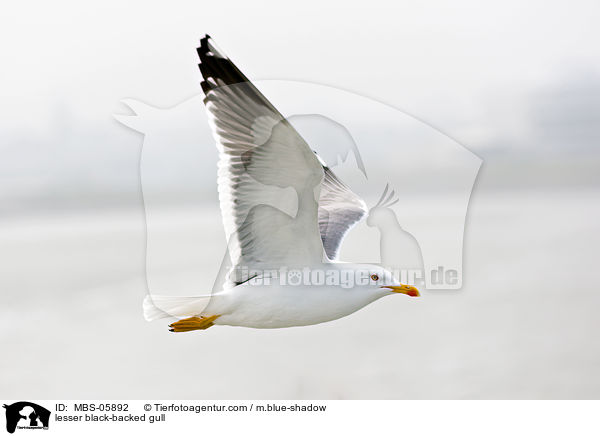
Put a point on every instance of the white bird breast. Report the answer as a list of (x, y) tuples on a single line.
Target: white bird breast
[(277, 306)]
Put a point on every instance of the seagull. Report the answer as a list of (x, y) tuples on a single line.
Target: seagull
[(285, 215)]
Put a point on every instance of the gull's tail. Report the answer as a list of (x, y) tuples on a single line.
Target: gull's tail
[(164, 306)]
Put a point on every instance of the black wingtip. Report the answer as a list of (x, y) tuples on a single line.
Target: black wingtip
[(206, 47), (215, 64)]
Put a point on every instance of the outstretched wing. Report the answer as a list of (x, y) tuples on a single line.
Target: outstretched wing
[(268, 177), (340, 209)]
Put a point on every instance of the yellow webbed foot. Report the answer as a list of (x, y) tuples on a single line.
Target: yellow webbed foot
[(193, 323)]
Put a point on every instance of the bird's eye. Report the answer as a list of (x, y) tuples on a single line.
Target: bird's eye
[(374, 277)]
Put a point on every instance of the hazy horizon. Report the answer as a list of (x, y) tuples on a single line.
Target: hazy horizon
[(517, 84)]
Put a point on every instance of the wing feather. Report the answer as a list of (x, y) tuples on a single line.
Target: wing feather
[(340, 209), (268, 177)]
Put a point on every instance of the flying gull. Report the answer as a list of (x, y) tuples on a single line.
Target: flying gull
[(285, 215)]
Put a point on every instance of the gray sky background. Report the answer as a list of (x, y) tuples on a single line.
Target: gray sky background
[(518, 83)]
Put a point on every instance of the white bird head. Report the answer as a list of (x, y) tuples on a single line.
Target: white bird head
[(382, 282)]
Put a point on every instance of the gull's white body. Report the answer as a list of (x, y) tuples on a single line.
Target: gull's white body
[(277, 306), (261, 303)]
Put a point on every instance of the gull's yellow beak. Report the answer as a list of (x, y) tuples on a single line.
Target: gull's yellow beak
[(411, 291)]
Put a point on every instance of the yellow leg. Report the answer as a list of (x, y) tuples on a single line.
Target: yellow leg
[(193, 323)]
